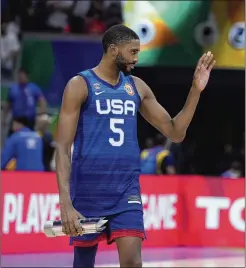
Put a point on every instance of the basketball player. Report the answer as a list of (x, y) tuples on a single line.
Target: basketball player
[(98, 118)]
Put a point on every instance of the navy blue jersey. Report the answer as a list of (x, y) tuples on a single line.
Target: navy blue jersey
[(106, 156), (26, 148)]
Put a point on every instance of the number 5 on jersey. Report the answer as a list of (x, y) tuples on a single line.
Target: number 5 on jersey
[(117, 130)]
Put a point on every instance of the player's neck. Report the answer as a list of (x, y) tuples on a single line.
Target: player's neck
[(108, 71)]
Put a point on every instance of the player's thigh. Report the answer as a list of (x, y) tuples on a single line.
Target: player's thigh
[(127, 230), (84, 256)]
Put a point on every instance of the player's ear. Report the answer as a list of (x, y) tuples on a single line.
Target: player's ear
[(114, 50)]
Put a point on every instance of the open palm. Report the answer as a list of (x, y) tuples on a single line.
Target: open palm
[(202, 72)]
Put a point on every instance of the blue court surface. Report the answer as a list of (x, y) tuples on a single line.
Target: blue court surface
[(152, 257)]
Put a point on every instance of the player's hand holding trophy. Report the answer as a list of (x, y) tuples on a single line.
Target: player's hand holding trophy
[(88, 225)]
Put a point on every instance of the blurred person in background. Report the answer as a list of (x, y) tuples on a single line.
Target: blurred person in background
[(234, 172), (10, 47), (187, 157), (228, 155), (59, 12), (78, 16), (157, 159), (149, 143), (23, 99), (165, 163), (148, 156), (42, 128), (95, 18), (23, 150), (113, 14)]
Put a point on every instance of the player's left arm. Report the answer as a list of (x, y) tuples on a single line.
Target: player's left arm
[(42, 104), (175, 128), (8, 151)]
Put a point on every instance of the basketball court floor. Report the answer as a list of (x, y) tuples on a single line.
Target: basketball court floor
[(153, 257)]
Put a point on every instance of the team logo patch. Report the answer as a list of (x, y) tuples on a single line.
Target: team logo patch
[(96, 86), (128, 88)]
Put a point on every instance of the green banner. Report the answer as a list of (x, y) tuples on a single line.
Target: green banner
[(177, 33)]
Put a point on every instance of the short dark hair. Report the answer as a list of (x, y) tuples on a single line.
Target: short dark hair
[(118, 34), (23, 70), (22, 120)]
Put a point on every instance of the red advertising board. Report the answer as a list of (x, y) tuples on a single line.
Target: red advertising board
[(178, 210), (216, 212)]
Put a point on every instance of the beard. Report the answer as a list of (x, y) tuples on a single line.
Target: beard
[(122, 65)]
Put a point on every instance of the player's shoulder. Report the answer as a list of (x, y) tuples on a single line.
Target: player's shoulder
[(13, 87), (142, 88), (77, 81), (14, 137), (76, 87), (137, 80)]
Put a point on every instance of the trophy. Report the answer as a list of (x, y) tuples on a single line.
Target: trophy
[(89, 226)]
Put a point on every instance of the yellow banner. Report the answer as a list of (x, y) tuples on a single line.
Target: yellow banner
[(228, 20), (176, 33)]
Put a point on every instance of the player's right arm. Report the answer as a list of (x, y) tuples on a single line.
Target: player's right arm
[(74, 96)]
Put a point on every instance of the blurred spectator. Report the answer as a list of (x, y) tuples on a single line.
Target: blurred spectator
[(164, 159), (159, 159), (23, 150), (148, 160), (77, 16), (59, 14), (23, 97), (42, 128), (187, 158), (149, 143), (113, 14), (227, 157), (70, 16), (234, 172), (10, 47), (95, 17)]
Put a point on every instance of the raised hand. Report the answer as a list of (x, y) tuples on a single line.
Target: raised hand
[(202, 72)]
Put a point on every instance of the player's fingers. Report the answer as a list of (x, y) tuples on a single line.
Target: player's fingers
[(201, 60), (78, 227), (208, 59), (72, 227), (211, 66), (69, 225), (65, 227), (199, 64)]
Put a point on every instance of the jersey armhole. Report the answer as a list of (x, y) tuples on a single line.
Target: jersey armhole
[(87, 103), (135, 88)]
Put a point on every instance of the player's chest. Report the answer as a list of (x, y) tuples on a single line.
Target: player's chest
[(119, 101)]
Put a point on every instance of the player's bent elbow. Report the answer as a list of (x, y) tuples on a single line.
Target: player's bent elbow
[(177, 138)]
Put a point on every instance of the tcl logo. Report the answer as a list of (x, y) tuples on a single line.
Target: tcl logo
[(213, 207)]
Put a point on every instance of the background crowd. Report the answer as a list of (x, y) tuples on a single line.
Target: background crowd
[(27, 140)]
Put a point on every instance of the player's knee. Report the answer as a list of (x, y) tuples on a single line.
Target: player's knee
[(131, 262)]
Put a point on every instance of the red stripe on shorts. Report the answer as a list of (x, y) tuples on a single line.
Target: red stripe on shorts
[(90, 243), (125, 233)]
